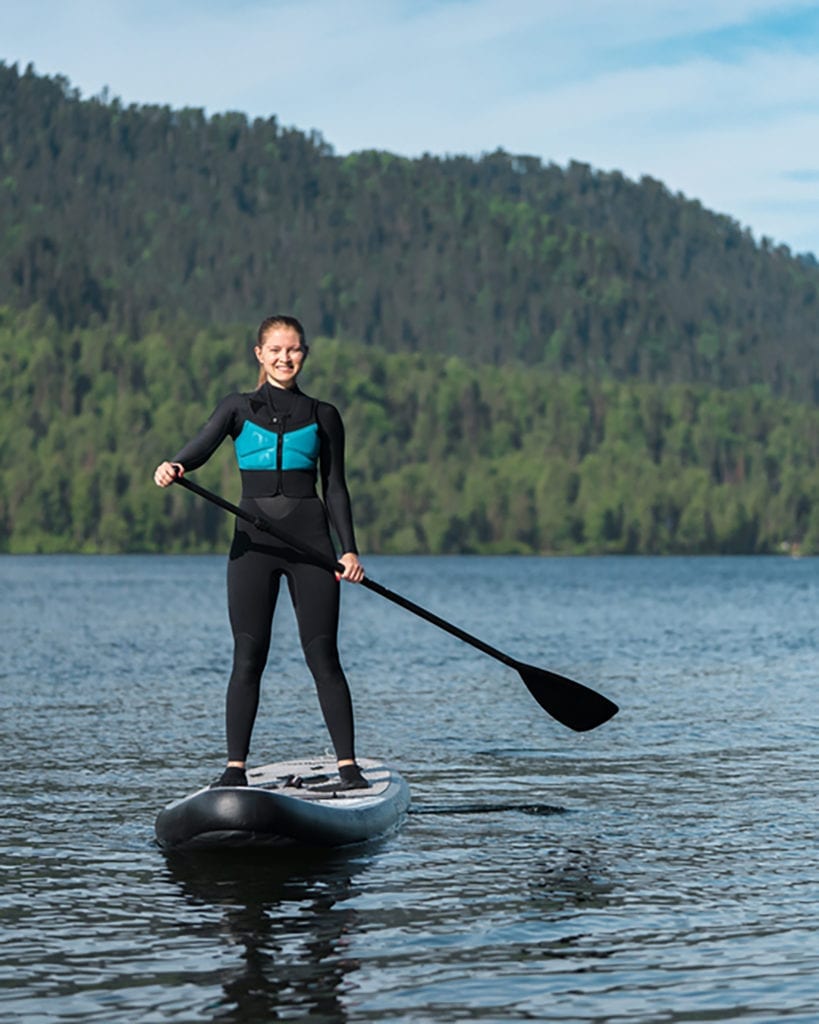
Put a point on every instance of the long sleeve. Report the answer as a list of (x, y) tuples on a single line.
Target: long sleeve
[(219, 426), (334, 485)]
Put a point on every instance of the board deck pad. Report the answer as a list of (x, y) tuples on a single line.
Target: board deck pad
[(318, 779), (298, 801)]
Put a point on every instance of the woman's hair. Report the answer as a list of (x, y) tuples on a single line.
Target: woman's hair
[(278, 320)]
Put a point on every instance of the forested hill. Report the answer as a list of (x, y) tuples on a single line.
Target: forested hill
[(133, 216)]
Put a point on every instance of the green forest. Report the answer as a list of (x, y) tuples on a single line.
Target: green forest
[(444, 455), (528, 358)]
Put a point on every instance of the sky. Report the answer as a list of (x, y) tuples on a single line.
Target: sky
[(718, 99)]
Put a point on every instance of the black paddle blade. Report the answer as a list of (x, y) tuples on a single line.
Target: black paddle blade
[(570, 703)]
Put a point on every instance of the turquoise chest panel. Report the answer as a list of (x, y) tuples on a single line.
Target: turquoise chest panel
[(258, 448)]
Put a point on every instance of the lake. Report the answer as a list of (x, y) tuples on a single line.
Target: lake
[(678, 881)]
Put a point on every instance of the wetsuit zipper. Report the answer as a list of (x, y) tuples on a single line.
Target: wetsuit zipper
[(279, 421)]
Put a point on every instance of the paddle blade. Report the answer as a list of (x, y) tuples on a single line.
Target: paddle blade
[(570, 703)]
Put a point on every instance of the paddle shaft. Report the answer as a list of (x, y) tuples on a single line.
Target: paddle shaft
[(264, 524), (571, 703)]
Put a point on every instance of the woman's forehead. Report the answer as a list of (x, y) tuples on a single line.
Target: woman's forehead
[(281, 336)]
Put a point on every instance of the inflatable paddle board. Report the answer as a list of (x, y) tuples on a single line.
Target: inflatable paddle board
[(288, 803)]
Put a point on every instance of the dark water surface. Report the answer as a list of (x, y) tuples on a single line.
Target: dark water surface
[(680, 884)]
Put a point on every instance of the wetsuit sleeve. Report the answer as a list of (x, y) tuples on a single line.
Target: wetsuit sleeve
[(200, 448), (334, 485)]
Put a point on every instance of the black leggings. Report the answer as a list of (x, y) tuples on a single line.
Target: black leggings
[(256, 566)]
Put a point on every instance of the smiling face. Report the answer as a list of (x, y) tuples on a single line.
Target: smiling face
[(281, 355)]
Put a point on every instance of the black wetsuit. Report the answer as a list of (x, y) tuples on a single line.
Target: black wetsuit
[(283, 439)]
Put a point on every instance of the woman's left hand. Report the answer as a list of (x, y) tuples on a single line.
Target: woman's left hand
[(353, 569)]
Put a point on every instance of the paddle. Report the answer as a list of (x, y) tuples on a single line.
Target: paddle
[(571, 703)]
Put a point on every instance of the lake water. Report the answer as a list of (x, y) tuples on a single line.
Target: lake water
[(680, 883)]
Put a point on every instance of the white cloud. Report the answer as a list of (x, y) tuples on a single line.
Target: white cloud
[(704, 128)]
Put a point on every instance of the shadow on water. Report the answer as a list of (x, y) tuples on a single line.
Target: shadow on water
[(284, 916), (487, 808)]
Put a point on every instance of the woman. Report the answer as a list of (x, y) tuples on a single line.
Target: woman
[(282, 439)]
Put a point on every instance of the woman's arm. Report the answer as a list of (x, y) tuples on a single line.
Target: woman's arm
[(197, 451), (334, 485)]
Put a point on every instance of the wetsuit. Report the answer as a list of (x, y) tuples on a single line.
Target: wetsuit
[(283, 439)]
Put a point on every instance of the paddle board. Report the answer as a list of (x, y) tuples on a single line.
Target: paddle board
[(288, 803)]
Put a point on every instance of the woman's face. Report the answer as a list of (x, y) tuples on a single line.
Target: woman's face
[(281, 356)]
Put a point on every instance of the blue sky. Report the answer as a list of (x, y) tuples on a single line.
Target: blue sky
[(719, 99)]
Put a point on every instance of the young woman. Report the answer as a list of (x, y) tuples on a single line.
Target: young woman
[(283, 441)]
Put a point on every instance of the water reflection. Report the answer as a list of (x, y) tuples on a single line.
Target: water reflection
[(285, 917)]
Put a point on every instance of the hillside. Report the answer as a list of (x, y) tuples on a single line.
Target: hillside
[(133, 216), (528, 358)]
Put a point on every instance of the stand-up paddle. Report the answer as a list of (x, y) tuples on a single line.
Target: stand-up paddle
[(572, 704)]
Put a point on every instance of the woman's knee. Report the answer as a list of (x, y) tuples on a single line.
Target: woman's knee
[(321, 655), (249, 657)]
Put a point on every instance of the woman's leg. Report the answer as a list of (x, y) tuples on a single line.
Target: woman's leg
[(315, 594), (253, 586)]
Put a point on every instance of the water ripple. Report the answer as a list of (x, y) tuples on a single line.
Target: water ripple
[(664, 868)]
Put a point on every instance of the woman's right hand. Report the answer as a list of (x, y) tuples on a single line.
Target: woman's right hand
[(166, 472)]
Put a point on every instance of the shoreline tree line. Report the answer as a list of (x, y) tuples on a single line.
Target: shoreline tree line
[(444, 455)]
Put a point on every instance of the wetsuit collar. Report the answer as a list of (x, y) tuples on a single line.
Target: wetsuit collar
[(279, 406)]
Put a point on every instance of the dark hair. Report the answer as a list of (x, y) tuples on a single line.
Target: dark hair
[(279, 320)]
